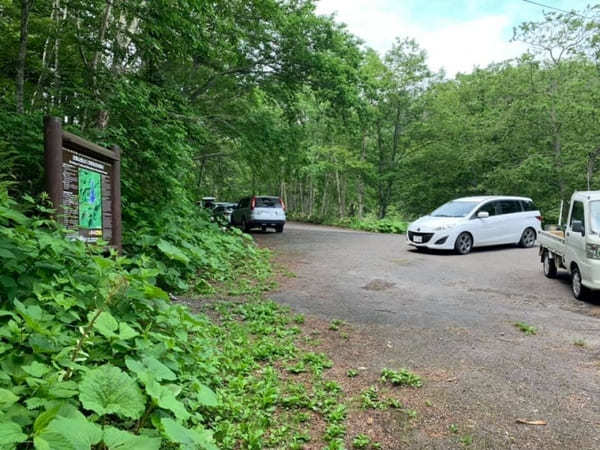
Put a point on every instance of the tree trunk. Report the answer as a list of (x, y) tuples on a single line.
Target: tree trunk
[(338, 187), (25, 11), (57, 51), (324, 201), (44, 56), (102, 116), (361, 181), (311, 197), (381, 199)]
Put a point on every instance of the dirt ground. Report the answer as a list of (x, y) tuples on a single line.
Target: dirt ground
[(450, 319)]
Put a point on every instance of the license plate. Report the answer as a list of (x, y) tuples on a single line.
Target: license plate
[(418, 239)]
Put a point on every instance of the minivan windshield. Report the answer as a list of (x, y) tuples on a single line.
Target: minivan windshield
[(595, 216), (454, 209)]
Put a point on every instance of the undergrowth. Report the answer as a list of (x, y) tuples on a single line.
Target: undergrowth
[(93, 353), (367, 223)]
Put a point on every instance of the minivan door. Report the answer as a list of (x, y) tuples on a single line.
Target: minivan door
[(511, 225), (485, 230), (575, 241)]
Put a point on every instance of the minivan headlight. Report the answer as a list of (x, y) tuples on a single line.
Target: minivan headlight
[(592, 251), (444, 227)]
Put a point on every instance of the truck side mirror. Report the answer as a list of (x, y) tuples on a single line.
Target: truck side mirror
[(577, 227)]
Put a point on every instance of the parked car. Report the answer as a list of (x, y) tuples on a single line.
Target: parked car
[(259, 211), (470, 222), (224, 210), (207, 202), (577, 248)]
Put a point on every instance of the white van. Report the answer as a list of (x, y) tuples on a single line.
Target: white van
[(470, 222)]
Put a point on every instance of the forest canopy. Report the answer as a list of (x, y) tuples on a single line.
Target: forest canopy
[(230, 98)]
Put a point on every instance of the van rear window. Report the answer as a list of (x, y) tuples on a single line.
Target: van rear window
[(268, 202), (528, 205)]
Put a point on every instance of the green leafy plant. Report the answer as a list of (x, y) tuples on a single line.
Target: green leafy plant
[(361, 441), (401, 377), (94, 353), (525, 328), (335, 324), (351, 373)]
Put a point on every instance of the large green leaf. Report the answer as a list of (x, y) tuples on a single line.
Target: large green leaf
[(172, 252), (152, 367), (68, 433), (126, 332), (109, 390), (106, 324), (188, 438), (165, 397), (7, 398), (10, 434), (116, 439), (36, 369), (206, 396)]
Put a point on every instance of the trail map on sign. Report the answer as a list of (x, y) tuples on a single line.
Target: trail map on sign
[(90, 199)]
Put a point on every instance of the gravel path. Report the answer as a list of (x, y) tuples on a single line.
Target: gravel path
[(452, 318)]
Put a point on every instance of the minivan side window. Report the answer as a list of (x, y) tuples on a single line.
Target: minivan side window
[(577, 213), (528, 205), (489, 207), (510, 206)]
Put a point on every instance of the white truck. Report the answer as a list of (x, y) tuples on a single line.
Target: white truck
[(575, 247)]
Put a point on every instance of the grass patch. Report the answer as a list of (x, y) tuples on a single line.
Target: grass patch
[(401, 377), (525, 328)]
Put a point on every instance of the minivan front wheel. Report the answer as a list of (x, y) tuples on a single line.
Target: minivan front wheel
[(527, 238), (464, 243)]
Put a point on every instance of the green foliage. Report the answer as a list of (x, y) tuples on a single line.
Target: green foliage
[(361, 441), (525, 328), (92, 352), (401, 377), (351, 373), (188, 252)]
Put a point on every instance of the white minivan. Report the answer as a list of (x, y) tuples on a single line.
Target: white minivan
[(469, 222)]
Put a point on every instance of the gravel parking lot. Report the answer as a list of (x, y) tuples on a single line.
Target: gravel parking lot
[(451, 318)]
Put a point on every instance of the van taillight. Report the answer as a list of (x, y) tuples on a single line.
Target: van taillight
[(540, 218), (253, 203), (282, 204)]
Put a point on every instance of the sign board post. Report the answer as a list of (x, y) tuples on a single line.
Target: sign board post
[(84, 184)]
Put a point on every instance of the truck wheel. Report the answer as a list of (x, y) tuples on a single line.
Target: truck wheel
[(527, 238), (464, 243), (245, 227), (580, 292), (549, 265)]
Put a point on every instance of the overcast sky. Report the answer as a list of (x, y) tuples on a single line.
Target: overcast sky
[(457, 34)]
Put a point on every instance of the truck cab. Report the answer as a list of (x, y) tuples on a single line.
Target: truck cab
[(577, 249)]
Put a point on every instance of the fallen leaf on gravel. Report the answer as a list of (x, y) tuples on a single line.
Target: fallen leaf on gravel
[(450, 380), (532, 422), (370, 421)]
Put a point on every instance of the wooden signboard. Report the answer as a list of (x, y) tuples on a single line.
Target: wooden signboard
[(84, 183)]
